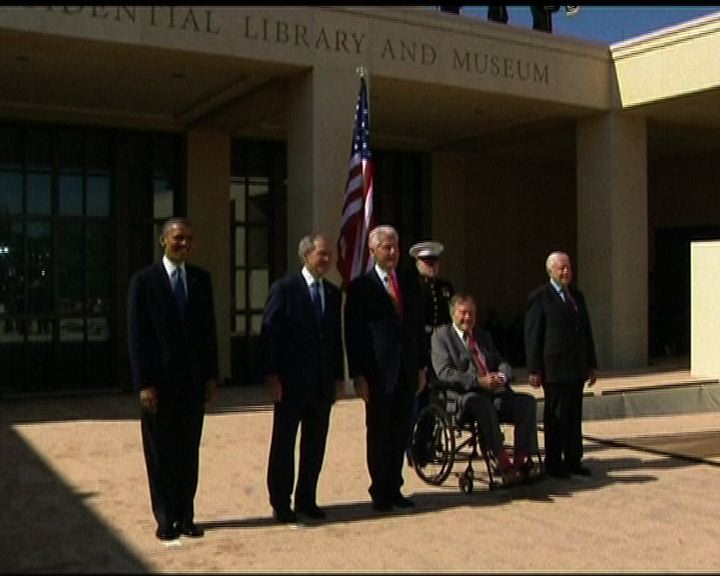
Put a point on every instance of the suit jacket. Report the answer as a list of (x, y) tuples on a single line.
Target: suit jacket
[(379, 342), (558, 341), (453, 363), (177, 356), (306, 355)]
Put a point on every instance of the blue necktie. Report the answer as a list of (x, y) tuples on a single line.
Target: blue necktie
[(179, 290), (317, 301)]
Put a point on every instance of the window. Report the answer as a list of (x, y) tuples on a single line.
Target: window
[(60, 273), (257, 194)]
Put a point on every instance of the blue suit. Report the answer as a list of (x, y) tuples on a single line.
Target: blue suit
[(307, 357), (177, 356)]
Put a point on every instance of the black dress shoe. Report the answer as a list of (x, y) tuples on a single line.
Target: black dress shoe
[(314, 512), (581, 470), (401, 502), (191, 529), (559, 474), (284, 515), (166, 533), (382, 505)]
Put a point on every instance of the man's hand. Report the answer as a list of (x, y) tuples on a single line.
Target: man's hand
[(592, 377), (149, 399), (535, 380), (361, 387), (339, 389), (274, 387), (493, 381), (497, 381)]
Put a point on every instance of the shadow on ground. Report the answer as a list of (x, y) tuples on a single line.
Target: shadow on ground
[(46, 525), (628, 470)]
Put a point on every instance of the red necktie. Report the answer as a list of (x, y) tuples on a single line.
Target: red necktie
[(477, 356), (394, 292)]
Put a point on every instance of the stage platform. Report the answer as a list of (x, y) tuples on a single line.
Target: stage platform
[(668, 387)]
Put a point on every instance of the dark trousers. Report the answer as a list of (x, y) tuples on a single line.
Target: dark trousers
[(171, 445), (287, 417), (520, 410), (478, 406), (562, 418), (424, 431), (388, 419)]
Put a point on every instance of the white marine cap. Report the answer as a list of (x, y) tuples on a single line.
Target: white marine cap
[(427, 249)]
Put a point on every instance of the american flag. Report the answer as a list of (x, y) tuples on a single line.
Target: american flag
[(357, 213)]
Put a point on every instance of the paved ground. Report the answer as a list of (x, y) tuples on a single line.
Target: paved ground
[(76, 500)]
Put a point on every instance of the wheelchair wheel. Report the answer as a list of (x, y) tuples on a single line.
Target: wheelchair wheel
[(433, 445), (465, 482)]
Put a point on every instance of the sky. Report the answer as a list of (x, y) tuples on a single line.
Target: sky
[(605, 24)]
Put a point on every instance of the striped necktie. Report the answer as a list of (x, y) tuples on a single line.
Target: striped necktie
[(569, 299), (477, 355)]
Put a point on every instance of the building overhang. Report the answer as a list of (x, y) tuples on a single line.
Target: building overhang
[(436, 79)]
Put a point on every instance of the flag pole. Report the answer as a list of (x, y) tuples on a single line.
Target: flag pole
[(362, 71), (357, 212)]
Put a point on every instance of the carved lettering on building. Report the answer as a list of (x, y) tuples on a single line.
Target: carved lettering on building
[(497, 65), (276, 31), (281, 32), (412, 52), (201, 20)]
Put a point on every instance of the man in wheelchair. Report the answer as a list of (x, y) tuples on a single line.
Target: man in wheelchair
[(468, 365)]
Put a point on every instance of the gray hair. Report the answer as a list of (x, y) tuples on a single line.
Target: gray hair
[(552, 257), (380, 233), (175, 220), (307, 245), (458, 299)]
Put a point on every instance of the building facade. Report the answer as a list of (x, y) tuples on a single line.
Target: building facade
[(503, 143)]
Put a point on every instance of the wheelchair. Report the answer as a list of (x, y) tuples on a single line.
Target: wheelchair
[(440, 437)]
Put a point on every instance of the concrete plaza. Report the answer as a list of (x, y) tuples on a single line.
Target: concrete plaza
[(76, 500)]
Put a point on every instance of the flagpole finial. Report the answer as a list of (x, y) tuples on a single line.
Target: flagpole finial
[(360, 70)]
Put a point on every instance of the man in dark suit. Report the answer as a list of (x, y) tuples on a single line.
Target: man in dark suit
[(561, 357), (386, 358), (466, 360), (302, 344), (174, 361)]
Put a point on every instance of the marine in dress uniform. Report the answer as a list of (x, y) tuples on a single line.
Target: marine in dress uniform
[(435, 294)]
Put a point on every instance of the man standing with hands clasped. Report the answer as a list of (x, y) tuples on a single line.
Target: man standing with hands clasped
[(560, 355), (387, 359), (174, 360), (302, 345)]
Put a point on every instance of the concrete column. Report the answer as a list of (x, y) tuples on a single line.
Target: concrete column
[(208, 197), (612, 235), (320, 115), (448, 217), (704, 308)]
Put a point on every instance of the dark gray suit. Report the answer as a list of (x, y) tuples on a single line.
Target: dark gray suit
[(456, 370), (307, 357), (559, 347), (177, 356)]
